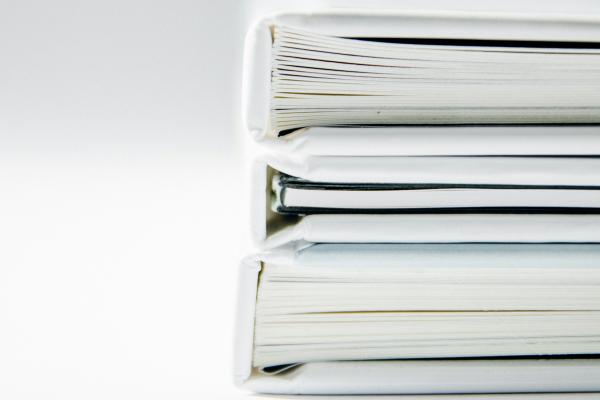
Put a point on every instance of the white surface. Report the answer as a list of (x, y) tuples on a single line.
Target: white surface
[(121, 226), (432, 141), (440, 228), (321, 378), (573, 171)]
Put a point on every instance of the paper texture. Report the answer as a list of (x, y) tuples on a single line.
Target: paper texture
[(409, 377), (506, 26)]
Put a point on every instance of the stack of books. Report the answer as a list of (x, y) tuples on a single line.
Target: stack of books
[(428, 214)]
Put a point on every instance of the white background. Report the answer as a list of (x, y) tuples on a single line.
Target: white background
[(122, 203), (120, 208)]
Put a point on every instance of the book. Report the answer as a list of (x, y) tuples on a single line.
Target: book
[(298, 196), (422, 301), (272, 226), (321, 80), (450, 184)]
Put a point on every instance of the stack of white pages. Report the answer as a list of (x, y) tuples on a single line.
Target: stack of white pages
[(322, 80), (428, 216), (407, 301)]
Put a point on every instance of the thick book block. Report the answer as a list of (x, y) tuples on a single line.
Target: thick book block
[(263, 91), (494, 350)]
